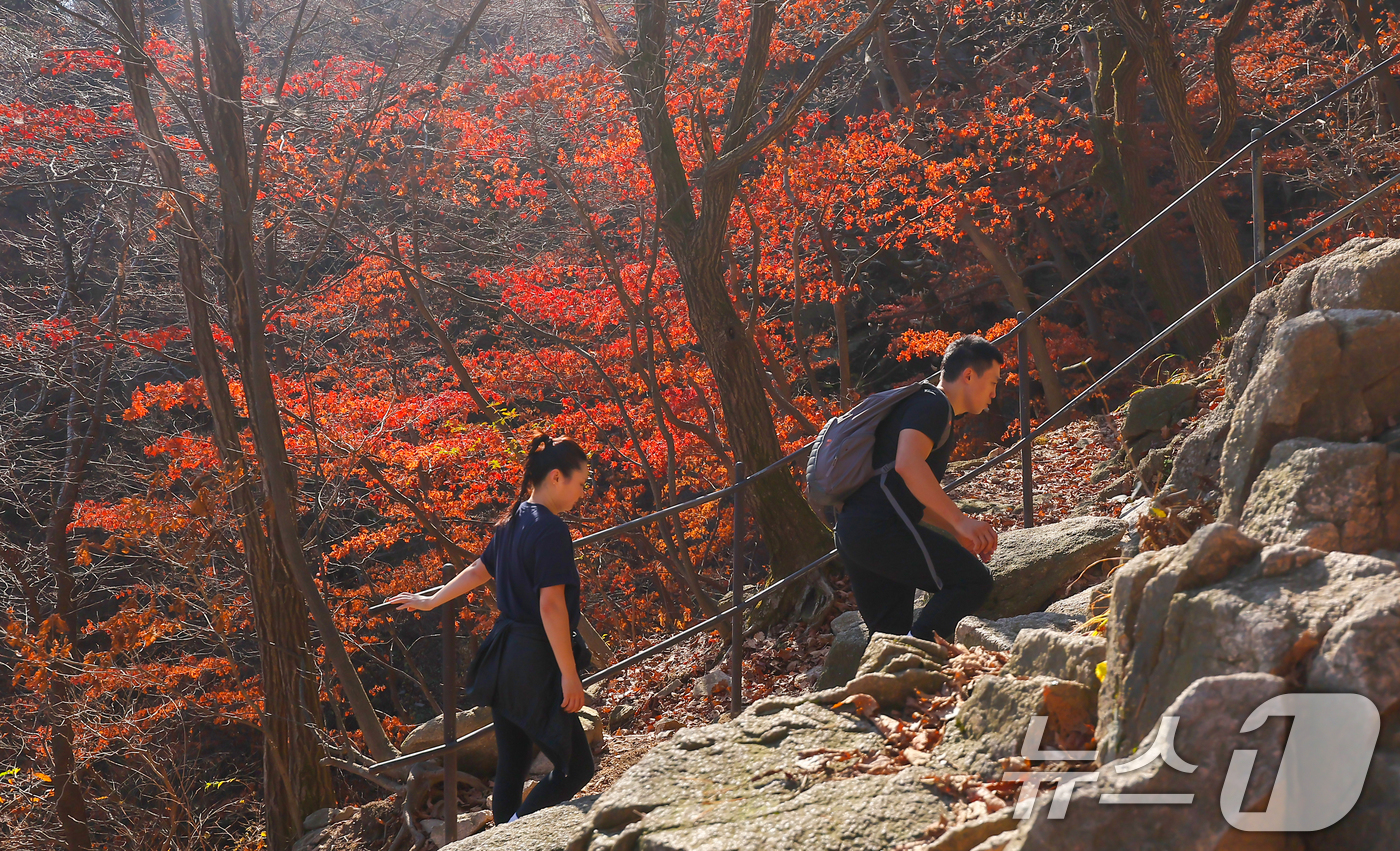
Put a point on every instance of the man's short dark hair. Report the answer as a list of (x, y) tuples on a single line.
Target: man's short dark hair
[(970, 351)]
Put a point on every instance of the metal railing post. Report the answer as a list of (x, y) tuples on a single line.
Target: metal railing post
[(736, 585), (449, 709), (1024, 382), (1256, 188)]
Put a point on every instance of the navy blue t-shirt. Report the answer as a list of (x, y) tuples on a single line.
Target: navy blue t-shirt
[(533, 551)]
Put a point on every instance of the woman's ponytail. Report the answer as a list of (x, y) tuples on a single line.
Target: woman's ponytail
[(544, 455)]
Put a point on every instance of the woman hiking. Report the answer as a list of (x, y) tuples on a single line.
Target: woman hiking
[(527, 668)]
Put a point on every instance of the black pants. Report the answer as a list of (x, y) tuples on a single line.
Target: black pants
[(514, 755), (886, 568)]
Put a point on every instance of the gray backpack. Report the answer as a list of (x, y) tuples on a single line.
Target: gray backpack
[(842, 457)]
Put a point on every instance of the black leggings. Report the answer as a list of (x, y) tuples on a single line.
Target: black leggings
[(887, 568), (514, 755)]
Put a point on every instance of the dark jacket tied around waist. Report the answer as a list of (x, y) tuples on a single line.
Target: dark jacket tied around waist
[(515, 674)]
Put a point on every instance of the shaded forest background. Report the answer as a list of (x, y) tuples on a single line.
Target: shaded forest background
[(284, 289)]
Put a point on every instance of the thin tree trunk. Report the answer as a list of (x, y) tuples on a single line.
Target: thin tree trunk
[(1016, 289), (280, 615), (1388, 91), (843, 346), (224, 111), (445, 344), (894, 66), (1228, 90), (837, 262), (69, 802), (799, 337)]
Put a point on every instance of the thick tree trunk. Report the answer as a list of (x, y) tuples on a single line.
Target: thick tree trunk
[(837, 262), (792, 532), (297, 782), (794, 535), (70, 805), (1152, 37)]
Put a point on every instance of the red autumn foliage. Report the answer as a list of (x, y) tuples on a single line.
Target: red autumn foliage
[(452, 261)]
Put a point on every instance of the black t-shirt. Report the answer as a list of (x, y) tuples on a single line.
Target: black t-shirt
[(533, 551), (927, 411)]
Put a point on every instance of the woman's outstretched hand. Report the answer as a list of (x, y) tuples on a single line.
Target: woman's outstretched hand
[(573, 692), (408, 601)]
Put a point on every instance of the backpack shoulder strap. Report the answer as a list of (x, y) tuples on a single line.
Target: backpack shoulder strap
[(947, 426)]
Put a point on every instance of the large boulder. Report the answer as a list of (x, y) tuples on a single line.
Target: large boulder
[(1030, 565), (1000, 634), (477, 757), (850, 636), (1089, 603), (1062, 655), (549, 829), (1364, 274), (1374, 823), (1331, 496), (1333, 375), (895, 666), (761, 782), (468, 824), (1224, 604), (1195, 470), (1152, 409), (1048, 673), (991, 725), (1210, 712)]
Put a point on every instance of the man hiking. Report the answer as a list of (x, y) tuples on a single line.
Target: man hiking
[(887, 554)]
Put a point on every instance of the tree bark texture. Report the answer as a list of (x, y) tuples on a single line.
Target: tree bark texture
[(1122, 174), (695, 241), (224, 114), (1150, 35), (298, 783)]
